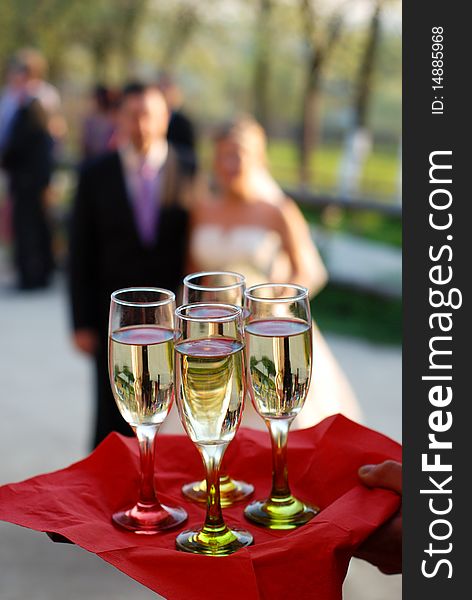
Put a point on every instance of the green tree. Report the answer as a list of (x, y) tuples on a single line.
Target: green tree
[(109, 29), (44, 24), (365, 76), (262, 62), (358, 142), (106, 28), (320, 40)]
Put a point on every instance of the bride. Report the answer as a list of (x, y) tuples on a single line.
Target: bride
[(250, 227)]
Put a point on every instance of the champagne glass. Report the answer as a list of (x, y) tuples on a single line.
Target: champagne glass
[(217, 287), (210, 390), (141, 368), (279, 359)]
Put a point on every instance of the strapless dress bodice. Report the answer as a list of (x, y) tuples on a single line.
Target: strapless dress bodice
[(247, 249)]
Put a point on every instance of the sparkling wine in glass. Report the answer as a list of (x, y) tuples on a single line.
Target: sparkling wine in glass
[(279, 360), (217, 287), (210, 390), (141, 369)]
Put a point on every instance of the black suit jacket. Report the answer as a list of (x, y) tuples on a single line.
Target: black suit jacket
[(106, 252), (181, 131), (27, 156), (181, 134)]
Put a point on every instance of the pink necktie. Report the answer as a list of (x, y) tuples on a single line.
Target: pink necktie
[(145, 205)]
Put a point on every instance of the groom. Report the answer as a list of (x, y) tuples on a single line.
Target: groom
[(128, 228)]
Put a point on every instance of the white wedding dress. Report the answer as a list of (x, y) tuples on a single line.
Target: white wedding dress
[(255, 251)]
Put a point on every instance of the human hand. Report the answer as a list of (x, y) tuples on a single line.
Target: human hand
[(383, 548), (86, 340)]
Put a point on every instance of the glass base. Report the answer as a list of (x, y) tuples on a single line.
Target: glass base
[(280, 513), (231, 491), (218, 543), (149, 520)]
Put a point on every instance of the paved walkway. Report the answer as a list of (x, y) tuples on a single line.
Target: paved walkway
[(46, 413), (353, 260)]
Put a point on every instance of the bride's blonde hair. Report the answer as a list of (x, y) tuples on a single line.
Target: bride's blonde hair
[(247, 133)]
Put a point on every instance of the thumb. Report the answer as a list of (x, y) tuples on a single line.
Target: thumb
[(386, 475)]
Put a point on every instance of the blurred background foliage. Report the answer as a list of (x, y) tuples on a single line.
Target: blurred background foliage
[(239, 55), (316, 73)]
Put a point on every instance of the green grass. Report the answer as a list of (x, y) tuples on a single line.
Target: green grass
[(358, 314), (379, 179), (338, 309), (369, 225)]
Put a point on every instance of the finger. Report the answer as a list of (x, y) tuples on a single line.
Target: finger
[(385, 475)]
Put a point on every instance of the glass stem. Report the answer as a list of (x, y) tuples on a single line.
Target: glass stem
[(278, 434), (146, 435), (212, 456)]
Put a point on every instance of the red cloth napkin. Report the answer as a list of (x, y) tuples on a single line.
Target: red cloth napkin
[(306, 563)]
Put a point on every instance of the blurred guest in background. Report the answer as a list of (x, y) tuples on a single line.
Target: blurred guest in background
[(31, 67), (26, 149), (128, 228), (249, 226), (181, 132), (99, 125)]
